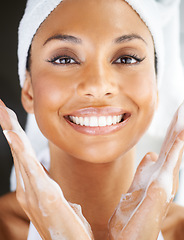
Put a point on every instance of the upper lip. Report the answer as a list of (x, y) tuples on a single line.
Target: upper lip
[(98, 111)]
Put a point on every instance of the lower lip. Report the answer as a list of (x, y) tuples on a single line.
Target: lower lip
[(98, 130)]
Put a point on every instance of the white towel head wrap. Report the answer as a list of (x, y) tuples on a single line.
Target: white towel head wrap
[(38, 10), (162, 19)]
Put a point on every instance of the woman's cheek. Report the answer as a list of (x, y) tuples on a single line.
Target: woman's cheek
[(143, 88), (50, 92)]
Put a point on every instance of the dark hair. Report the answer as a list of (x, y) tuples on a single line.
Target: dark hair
[(156, 63), (28, 62)]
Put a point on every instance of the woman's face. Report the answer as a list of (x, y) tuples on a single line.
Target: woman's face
[(91, 61)]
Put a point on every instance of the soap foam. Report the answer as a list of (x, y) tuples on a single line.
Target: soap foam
[(43, 182), (163, 178)]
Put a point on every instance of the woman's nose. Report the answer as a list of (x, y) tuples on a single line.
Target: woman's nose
[(97, 83)]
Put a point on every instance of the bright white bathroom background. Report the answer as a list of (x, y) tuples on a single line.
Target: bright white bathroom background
[(182, 31), (180, 196)]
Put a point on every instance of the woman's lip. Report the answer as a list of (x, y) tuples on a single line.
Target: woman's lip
[(94, 131), (98, 130), (98, 111)]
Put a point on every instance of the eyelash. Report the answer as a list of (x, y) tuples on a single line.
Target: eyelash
[(63, 57), (121, 58), (129, 57)]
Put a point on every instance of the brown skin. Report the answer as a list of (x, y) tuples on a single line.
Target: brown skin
[(96, 82), (86, 175), (49, 93), (14, 223), (173, 226)]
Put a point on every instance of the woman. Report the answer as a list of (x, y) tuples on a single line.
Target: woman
[(91, 81)]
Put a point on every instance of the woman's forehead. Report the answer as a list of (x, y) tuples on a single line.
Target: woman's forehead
[(94, 18)]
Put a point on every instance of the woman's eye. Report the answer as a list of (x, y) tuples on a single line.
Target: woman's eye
[(65, 60), (62, 60), (128, 60)]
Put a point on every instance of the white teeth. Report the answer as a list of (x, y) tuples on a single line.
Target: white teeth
[(109, 121), (81, 121), (94, 121), (102, 121), (86, 122), (77, 120), (119, 118), (114, 120)]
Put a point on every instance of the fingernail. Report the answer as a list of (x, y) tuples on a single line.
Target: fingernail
[(6, 133)]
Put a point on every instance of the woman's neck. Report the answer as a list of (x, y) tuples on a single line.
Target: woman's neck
[(96, 187)]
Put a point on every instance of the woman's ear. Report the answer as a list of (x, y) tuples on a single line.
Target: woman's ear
[(27, 94)]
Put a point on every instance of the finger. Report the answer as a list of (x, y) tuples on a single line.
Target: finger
[(2, 103), (35, 192), (171, 157), (36, 180), (5, 120), (8, 119), (175, 128), (167, 167), (20, 185), (136, 192), (168, 175), (9, 122), (20, 188), (143, 172), (24, 157), (159, 192), (31, 169), (78, 210), (19, 141)]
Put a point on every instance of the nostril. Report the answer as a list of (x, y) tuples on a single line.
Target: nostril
[(107, 94), (88, 95), (96, 94)]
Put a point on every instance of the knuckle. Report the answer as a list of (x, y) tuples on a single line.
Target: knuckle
[(53, 197)]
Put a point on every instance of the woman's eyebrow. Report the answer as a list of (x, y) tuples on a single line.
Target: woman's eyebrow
[(65, 38), (73, 39), (130, 37)]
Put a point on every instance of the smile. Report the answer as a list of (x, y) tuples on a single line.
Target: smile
[(95, 121), (98, 121)]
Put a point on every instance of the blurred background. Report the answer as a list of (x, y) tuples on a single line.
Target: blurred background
[(10, 16)]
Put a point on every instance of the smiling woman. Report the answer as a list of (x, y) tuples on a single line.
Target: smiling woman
[(105, 70), (90, 77)]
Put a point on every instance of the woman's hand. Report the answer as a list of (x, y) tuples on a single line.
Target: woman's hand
[(41, 197), (141, 211)]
